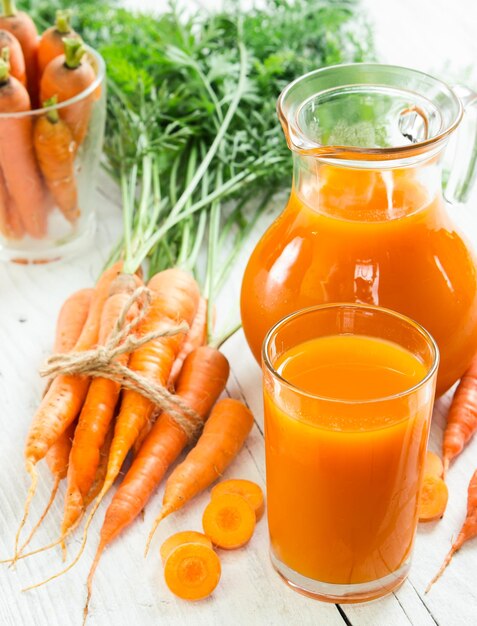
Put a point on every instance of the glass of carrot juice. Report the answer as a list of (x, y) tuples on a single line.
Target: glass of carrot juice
[(348, 394)]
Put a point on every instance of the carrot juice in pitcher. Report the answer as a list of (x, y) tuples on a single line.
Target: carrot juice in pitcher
[(366, 220), (348, 393)]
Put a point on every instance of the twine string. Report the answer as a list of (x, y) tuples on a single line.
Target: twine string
[(101, 362)]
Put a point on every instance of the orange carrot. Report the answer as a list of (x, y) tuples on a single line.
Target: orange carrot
[(8, 227), (468, 530), (196, 337), (64, 399), (249, 490), (202, 379), (98, 410), (433, 465), (51, 44), (65, 77), (11, 51), (432, 498), (175, 299), (71, 320), (55, 150), (185, 536), (23, 28), (192, 571), (17, 157), (462, 418), (229, 521), (100, 475), (223, 436)]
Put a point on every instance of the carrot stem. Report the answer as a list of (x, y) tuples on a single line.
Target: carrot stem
[(63, 21), (4, 71), (9, 8), (52, 115), (74, 52)]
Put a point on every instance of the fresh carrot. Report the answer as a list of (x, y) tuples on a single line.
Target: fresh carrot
[(11, 51), (9, 228), (432, 498), (468, 530), (65, 77), (64, 399), (202, 379), (71, 320), (17, 157), (196, 337), (101, 470), (55, 150), (245, 488), (229, 521), (175, 299), (462, 418), (223, 436), (23, 28), (97, 411), (433, 465), (51, 44), (192, 571), (177, 539)]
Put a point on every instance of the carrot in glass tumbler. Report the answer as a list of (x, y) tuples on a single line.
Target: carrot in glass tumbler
[(10, 45), (51, 43)]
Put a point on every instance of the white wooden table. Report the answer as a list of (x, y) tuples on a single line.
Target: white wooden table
[(129, 589)]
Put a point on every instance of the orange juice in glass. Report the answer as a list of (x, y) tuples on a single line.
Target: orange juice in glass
[(348, 393)]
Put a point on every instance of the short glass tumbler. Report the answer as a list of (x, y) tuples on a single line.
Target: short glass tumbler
[(48, 173), (348, 394)]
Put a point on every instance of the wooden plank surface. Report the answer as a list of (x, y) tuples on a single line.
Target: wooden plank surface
[(129, 589)]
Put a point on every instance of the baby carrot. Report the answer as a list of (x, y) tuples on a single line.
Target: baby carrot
[(55, 150), (223, 436), (23, 28), (65, 77), (51, 44), (10, 44), (468, 530), (462, 418), (17, 157)]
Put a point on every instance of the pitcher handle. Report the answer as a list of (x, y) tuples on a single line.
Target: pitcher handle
[(463, 169)]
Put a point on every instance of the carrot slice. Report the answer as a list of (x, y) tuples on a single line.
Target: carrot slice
[(229, 521), (433, 465), (432, 499), (192, 571), (185, 536), (245, 488)]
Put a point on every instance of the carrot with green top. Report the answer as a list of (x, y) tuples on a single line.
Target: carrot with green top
[(64, 399), (222, 438), (55, 150), (11, 52), (19, 24), (11, 226), (17, 156), (51, 44), (66, 77)]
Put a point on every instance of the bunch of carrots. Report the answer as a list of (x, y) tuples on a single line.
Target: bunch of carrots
[(461, 426), (37, 152), (85, 427)]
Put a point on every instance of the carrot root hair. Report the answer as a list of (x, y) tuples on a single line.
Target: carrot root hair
[(157, 521), (32, 472), (54, 491), (443, 567)]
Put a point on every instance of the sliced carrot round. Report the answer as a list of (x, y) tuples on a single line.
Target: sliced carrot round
[(432, 499), (192, 571), (229, 521), (433, 465), (185, 536), (245, 488)]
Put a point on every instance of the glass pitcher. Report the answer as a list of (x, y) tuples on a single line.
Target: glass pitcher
[(366, 219)]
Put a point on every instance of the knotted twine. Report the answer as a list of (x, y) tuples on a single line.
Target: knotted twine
[(101, 362)]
